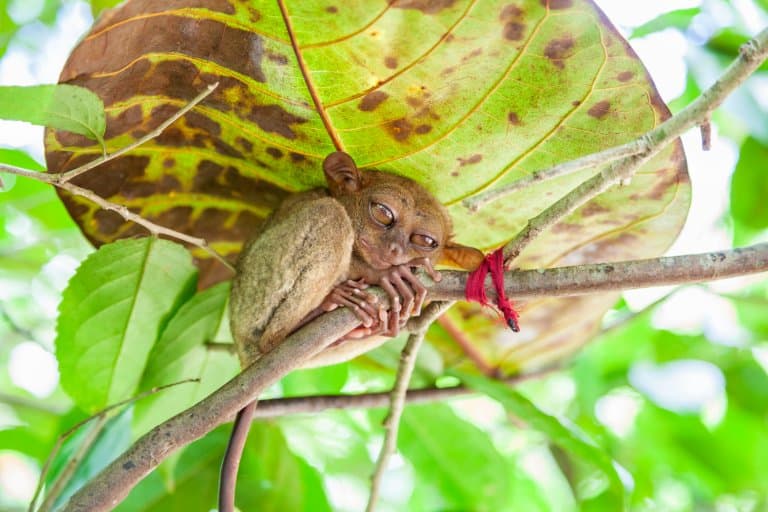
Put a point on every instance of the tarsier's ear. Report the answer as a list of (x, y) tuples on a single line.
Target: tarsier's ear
[(341, 173), (461, 256)]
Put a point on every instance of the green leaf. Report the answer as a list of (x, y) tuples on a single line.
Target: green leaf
[(181, 354), (558, 430), (455, 458), (679, 19), (272, 478), (112, 313), (749, 186), (64, 107)]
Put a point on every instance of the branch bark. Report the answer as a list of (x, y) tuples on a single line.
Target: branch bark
[(108, 488)]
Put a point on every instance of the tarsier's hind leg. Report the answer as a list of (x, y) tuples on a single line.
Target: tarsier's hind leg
[(286, 272)]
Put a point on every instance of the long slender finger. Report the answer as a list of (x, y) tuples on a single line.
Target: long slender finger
[(417, 286), (426, 264), (362, 315), (405, 292)]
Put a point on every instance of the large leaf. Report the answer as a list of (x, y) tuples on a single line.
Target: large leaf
[(559, 430), (480, 95), (111, 314)]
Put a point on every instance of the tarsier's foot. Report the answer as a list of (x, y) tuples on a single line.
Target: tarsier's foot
[(406, 293)]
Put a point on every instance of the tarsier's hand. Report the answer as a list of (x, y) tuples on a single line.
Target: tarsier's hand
[(366, 306), (406, 293)]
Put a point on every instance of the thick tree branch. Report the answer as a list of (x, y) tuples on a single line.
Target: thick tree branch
[(623, 275), (112, 485)]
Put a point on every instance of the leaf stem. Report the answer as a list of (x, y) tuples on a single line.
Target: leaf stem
[(308, 78)]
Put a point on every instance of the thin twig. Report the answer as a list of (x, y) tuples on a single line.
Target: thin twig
[(392, 421), (72, 464), (280, 407), (103, 413), (590, 161), (66, 176), (751, 56)]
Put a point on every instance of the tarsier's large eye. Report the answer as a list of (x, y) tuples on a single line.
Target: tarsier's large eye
[(382, 214), (424, 241)]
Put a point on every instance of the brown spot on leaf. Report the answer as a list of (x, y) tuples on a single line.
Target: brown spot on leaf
[(332, 9), (209, 224), (455, 174), (107, 222), (277, 58), (195, 120), (178, 217), (390, 62), (557, 4), (576, 103), (275, 119), (244, 143), (511, 12), (274, 152), (557, 50), (297, 157), (593, 209), (625, 76), (169, 162), (414, 102), (514, 31), (423, 128), (476, 158), (513, 119), (447, 71), (599, 109), (471, 55), (372, 100), (125, 121), (400, 129), (425, 6)]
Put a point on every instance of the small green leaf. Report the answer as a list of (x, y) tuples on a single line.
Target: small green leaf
[(64, 107), (558, 430), (112, 313), (455, 458), (749, 186)]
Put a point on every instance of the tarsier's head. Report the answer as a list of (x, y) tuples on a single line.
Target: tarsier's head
[(395, 219)]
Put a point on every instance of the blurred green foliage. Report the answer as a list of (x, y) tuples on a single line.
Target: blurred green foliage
[(465, 454)]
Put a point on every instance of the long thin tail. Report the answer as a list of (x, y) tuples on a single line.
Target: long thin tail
[(231, 462)]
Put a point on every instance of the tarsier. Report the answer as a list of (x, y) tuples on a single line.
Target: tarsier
[(321, 250)]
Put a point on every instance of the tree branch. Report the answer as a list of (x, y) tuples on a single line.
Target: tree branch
[(112, 484), (108, 488), (623, 275), (751, 56)]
